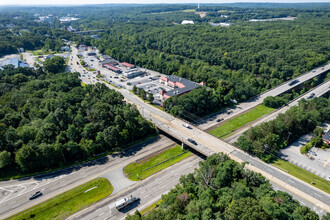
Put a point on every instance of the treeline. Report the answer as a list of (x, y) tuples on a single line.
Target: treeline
[(252, 56), (48, 120), (222, 189), (266, 139)]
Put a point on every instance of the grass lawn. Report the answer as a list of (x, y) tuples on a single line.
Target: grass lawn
[(67, 203), (304, 175), (150, 208), (37, 58), (134, 170), (227, 128)]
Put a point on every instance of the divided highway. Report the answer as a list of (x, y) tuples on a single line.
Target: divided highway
[(317, 91), (14, 194), (206, 123)]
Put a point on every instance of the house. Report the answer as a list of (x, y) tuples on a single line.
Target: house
[(15, 62), (128, 65), (326, 138), (180, 86), (187, 22), (115, 69), (21, 50)]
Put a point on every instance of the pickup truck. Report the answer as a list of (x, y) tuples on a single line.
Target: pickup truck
[(122, 203)]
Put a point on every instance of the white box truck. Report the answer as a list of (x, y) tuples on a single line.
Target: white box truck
[(122, 203)]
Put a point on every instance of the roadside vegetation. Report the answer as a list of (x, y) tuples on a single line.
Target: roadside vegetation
[(316, 141), (227, 128), (69, 202), (266, 139), (151, 207), (155, 163), (222, 189), (304, 175)]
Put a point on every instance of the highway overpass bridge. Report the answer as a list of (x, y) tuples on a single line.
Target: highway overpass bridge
[(208, 144)]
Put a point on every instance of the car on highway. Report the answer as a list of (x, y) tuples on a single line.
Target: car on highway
[(314, 71), (139, 82), (192, 141), (220, 119), (293, 82), (311, 96), (186, 125), (35, 195)]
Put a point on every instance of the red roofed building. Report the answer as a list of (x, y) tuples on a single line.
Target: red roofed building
[(180, 86), (115, 69), (128, 65)]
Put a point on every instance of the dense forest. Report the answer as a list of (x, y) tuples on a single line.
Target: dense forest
[(48, 119), (248, 57), (266, 139), (222, 189)]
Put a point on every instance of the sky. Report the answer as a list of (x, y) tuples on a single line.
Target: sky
[(84, 2)]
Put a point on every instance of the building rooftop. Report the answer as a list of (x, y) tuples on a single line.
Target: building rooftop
[(111, 67), (326, 136), (127, 64), (15, 62), (183, 85)]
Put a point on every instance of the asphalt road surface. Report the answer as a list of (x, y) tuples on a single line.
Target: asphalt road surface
[(318, 91), (148, 191), (14, 194), (209, 122)]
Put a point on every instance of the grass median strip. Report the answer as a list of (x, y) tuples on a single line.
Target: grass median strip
[(227, 128), (304, 175), (150, 165), (69, 202)]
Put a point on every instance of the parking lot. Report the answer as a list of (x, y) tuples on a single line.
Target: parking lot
[(149, 81), (319, 161)]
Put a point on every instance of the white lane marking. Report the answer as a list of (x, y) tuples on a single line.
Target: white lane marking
[(35, 186), (291, 181), (318, 195), (102, 213), (11, 192), (22, 190)]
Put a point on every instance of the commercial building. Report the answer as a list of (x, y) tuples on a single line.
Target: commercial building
[(109, 61), (180, 86), (133, 73), (128, 65), (91, 53), (15, 62), (115, 69), (326, 138)]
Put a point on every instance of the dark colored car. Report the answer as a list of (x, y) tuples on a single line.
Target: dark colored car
[(220, 119), (293, 82), (192, 141), (311, 96), (36, 195)]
